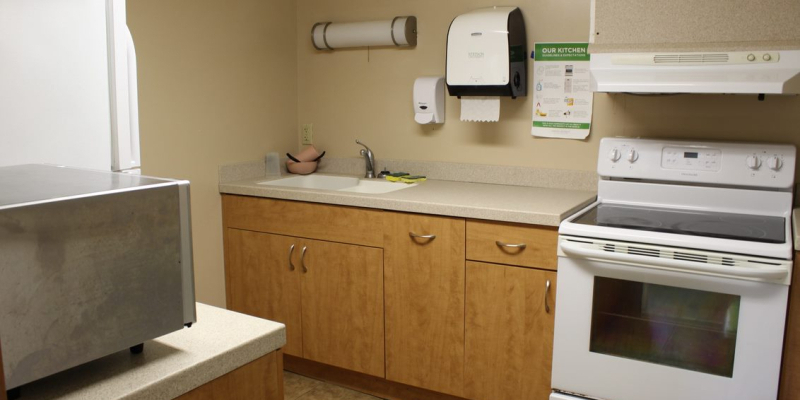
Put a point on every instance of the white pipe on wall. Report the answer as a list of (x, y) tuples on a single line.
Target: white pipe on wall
[(400, 31)]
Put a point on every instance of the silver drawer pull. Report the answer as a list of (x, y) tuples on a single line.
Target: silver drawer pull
[(291, 250), (414, 235), (546, 292), (303, 259), (512, 245)]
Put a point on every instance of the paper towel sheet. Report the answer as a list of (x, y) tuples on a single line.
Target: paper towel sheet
[(480, 109)]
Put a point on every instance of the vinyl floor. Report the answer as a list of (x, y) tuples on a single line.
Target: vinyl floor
[(298, 387)]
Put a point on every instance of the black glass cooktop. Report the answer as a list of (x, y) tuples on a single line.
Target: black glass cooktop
[(697, 223)]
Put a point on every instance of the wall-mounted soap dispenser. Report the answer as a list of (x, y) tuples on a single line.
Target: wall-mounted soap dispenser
[(429, 100), (487, 53)]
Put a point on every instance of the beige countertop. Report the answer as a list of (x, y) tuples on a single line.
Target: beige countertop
[(219, 342), (522, 204)]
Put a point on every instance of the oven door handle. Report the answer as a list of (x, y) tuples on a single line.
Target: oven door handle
[(574, 249)]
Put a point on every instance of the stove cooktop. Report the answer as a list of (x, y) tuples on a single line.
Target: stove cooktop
[(752, 228)]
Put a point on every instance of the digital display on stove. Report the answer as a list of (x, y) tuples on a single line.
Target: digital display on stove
[(692, 159)]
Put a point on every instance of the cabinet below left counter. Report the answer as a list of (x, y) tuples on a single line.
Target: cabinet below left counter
[(224, 355)]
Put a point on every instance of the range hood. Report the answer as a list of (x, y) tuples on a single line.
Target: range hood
[(743, 72), (690, 46)]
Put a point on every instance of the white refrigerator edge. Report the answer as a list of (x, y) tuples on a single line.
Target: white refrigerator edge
[(68, 89)]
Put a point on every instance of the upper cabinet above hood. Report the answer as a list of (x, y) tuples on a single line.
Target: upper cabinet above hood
[(694, 46)]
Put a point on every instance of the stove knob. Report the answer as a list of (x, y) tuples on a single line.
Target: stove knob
[(632, 156), (753, 162), (614, 155), (774, 163)]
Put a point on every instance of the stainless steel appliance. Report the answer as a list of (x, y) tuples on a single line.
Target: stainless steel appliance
[(674, 284), (91, 263)]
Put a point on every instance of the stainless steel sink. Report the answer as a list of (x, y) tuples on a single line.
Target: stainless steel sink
[(339, 184)]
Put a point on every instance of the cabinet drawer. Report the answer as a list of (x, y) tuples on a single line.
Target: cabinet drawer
[(513, 244), (308, 220)]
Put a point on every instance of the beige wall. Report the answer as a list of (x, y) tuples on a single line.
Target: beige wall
[(227, 81), (217, 84), (356, 93)]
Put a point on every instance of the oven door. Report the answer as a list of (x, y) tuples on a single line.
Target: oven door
[(626, 330)]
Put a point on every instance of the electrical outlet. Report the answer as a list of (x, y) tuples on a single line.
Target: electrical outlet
[(308, 134)]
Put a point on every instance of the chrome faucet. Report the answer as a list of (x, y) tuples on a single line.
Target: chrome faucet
[(369, 157)]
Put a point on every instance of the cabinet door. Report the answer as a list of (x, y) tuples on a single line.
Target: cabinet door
[(509, 332), (261, 281), (342, 289), (424, 283)]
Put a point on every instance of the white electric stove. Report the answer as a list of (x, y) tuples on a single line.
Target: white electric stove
[(673, 285)]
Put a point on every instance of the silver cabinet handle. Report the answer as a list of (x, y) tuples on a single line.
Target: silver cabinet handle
[(291, 250), (303, 259), (546, 292), (414, 235), (512, 245)]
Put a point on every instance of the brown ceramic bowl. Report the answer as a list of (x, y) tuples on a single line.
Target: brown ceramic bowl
[(301, 168)]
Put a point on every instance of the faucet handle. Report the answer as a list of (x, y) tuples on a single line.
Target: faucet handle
[(365, 146)]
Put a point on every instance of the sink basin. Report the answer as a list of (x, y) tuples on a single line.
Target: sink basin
[(376, 187), (338, 183), (322, 182)]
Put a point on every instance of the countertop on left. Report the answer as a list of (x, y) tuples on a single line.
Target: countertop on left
[(171, 365)]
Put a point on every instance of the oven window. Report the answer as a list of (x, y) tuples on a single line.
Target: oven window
[(683, 328)]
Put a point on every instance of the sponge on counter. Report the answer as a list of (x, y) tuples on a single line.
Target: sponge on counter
[(413, 178), (405, 177)]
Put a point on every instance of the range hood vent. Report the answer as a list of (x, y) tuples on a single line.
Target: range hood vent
[(690, 58), (745, 72)]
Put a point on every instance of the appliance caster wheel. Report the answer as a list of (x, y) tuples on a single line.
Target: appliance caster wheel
[(13, 394), (138, 349), (188, 324)]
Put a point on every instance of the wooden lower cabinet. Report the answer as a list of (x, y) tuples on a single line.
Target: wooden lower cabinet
[(329, 295), (343, 306), (509, 332), (260, 379), (424, 285), (413, 319), (261, 282)]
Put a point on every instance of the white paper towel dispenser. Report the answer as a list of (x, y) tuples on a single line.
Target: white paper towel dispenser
[(486, 53)]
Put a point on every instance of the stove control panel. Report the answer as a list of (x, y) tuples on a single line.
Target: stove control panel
[(692, 159), (715, 163)]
